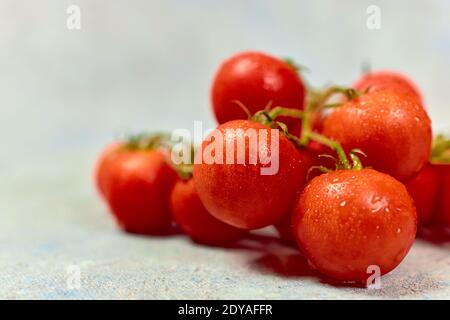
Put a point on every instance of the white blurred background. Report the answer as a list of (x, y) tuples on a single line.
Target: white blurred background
[(138, 65)]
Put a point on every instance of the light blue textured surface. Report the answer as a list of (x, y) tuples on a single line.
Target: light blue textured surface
[(52, 219), (147, 65)]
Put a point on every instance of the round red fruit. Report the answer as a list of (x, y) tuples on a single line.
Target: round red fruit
[(350, 221), (193, 218), (382, 80), (424, 189), (442, 214), (257, 190), (102, 170), (137, 184), (393, 130), (445, 207), (284, 228), (256, 79)]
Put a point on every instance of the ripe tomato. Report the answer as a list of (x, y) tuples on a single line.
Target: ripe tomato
[(382, 80), (348, 220), (284, 228), (192, 217), (256, 79), (445, 198), (102, 170), (443, 212), (238, 193), (136, 185), (424, 189), (392, 129)]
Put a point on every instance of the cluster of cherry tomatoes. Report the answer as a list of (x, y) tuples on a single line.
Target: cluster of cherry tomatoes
[(358, 169)]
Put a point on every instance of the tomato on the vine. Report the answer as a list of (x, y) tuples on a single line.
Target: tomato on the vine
[(349, 220), (388, 79), (392, 129), (442, 214), (424, 188), (136, 184), (445, 205), (256, 80), (102, 169), (239, 193), (285, 229), (192, 217)]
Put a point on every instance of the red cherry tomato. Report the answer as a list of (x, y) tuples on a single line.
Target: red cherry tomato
[(443, 212), (391, 129), (192, 217), (346, 221), (445, 206), (102, 170), (238, 193), (285, 230), (256, 79), (424, 189), (136, 185), (382, 80)]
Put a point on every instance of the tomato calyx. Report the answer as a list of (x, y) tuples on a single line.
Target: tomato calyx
[(185, 169), (342, 163), (267, 116), (294, 65), (159, 141), (440, 153), (148, 141)]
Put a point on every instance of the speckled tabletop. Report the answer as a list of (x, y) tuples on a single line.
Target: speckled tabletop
[(60, 226), (147, 65)]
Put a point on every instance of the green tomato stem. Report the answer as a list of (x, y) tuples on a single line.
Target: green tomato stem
[(357, 165), (280, 111), (336, 146)]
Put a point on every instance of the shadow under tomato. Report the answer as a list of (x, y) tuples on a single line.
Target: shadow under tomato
[(280, 258), (295, 265), (250, 241)]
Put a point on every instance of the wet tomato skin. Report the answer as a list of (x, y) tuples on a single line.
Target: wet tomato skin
[(424, 189), (193, 218), (392, 129), (238, 194), (137, 187), (346, 221), (387, 79), (256, 79)]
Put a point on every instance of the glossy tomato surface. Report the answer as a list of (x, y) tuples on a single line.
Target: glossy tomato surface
[(386, 79), (193, 218), (392, 129), (256, 192), (346, 221), (138, 185), (424, 188), (255, 79)]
